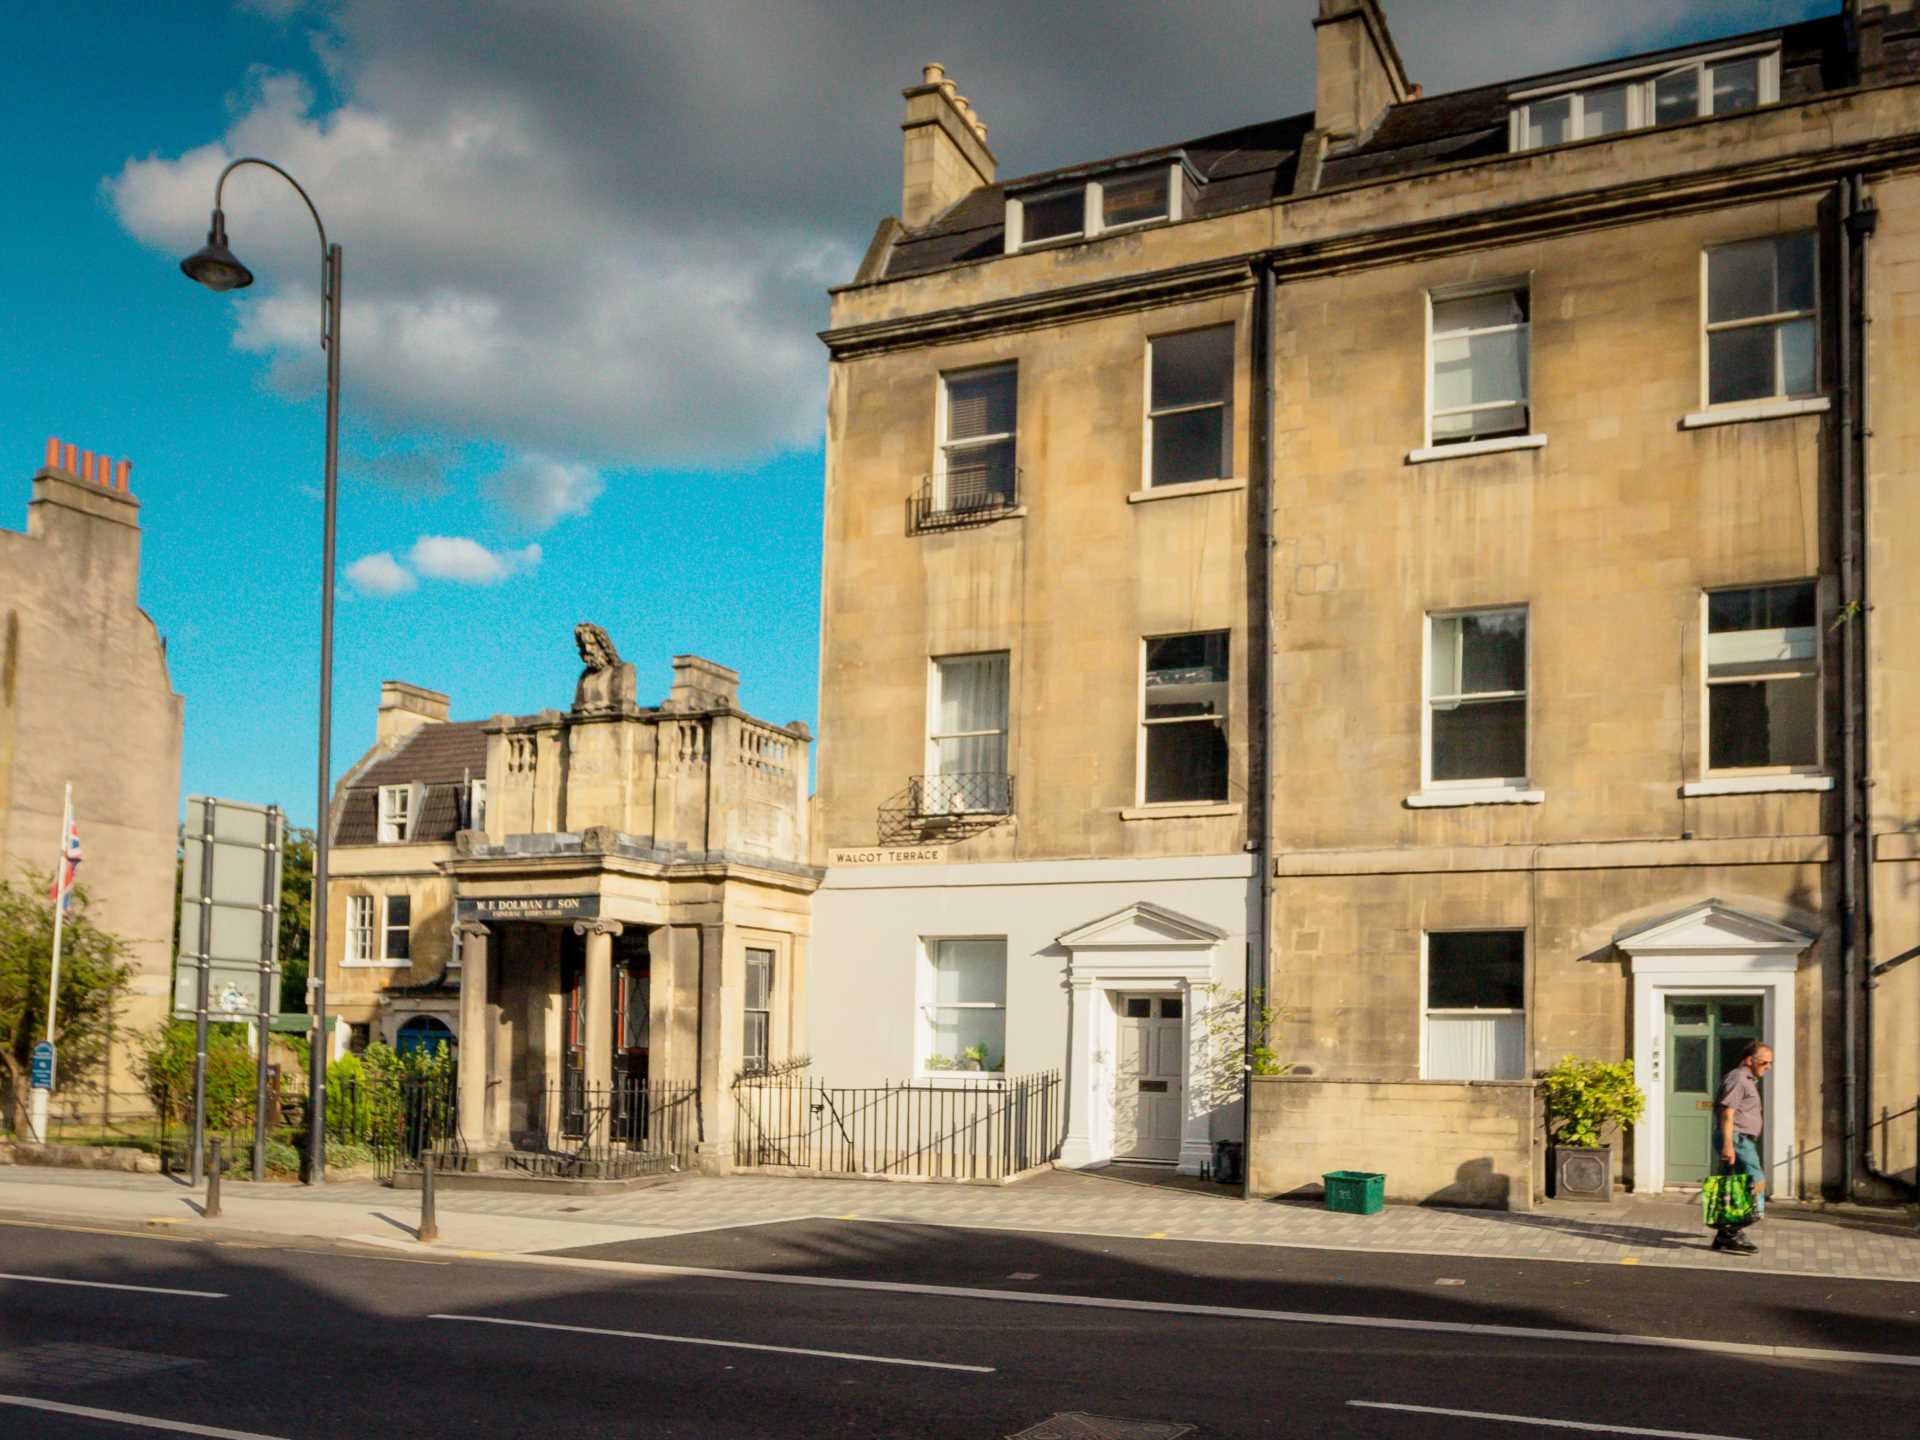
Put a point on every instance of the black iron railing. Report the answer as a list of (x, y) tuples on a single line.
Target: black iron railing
[(983, 792), (965, 495), (419, 1116), (610, 1131), (982, 1129)]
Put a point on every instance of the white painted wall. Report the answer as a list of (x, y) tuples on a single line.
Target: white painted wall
[(869, 923)]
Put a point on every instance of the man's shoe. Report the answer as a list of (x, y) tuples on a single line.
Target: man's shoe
[(1734, 1243)]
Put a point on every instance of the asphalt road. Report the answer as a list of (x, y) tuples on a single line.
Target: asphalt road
[(298, 1344)]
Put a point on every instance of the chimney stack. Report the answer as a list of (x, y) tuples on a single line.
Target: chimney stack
[(1357, 70), (78, 464), (406, 708), (945, 148)]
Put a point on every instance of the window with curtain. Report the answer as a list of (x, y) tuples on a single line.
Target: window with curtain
[(1475, 1012), (963, 1009), (982, 416), (1477, 696), (1479, 366), (1763, 678), (968, 735)]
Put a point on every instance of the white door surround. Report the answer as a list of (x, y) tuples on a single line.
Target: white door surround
[(1143, 949), (1713, 949)]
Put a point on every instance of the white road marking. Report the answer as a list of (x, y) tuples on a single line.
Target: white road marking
[(718, 1344), (1235, 1312), (1588, 1425), (104, 1285), (147, 1422)]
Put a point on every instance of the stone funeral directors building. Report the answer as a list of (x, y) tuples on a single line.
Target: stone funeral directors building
[(585, 903)]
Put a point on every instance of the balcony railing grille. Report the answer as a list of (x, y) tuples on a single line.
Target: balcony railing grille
[(965, 495), (978, 793)]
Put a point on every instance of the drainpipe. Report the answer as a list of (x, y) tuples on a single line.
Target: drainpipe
[(1857, 217), (1260, 692)]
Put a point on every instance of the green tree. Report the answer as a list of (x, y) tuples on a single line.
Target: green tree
[(93, 973), (296, 919), (165, 1067)]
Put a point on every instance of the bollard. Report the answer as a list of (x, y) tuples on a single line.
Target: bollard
[(212, 1210), (429, 1225)]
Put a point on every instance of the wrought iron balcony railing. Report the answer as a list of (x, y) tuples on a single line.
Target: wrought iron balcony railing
[(977, 793), (969, 495)]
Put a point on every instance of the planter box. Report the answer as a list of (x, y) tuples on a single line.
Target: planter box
[(1581, 1174)]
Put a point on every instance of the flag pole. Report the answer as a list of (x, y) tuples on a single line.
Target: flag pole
[(37, 1111)]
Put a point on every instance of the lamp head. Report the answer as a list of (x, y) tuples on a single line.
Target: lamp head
[(213, 264)]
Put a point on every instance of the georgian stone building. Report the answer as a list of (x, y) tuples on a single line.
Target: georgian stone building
[(85, 699), (1434, 560), (584, 901)]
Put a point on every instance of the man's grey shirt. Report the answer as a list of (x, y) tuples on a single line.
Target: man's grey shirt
[(1740, 1093)]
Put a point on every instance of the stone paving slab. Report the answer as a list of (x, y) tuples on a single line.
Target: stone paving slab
[(1878, 1245)]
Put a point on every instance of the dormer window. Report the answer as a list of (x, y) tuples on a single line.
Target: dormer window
[(1137, 199), (1646, 96), (1149, 194), (1060, 215), (396, 814)]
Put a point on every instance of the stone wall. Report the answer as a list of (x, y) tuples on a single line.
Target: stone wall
[(1437, 1142)]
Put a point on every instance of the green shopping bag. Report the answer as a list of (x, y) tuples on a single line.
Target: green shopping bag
[(1726, 1200)]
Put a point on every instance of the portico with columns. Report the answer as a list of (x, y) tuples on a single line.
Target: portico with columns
[(631, 911)]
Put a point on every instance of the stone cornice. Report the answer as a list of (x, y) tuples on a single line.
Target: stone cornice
[(1045, 307), (1369, 247)]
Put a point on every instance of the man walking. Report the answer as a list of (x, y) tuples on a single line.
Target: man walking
[(1737, 1122)]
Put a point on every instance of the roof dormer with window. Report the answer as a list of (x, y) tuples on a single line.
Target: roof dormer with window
[(1720, 82), (1154, 190)]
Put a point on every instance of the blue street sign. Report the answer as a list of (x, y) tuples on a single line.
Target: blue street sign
[(42, 1078)]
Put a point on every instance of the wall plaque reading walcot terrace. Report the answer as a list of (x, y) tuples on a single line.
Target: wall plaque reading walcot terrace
[(529, 907)]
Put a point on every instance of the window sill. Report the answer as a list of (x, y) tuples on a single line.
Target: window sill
[(1757, 785), (1181, 811), (1190, 487), (1475, 795), (376, 964), (1755, 410), (959, 1079), (1476, 447)]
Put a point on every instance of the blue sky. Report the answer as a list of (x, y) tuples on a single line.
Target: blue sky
[(586, 251)]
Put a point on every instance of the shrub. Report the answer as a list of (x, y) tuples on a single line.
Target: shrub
[(343, 1153), (165, 1068), (1585, 1098), (282, 1158)]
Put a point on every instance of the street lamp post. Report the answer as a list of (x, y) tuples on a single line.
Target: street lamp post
[(216, 267)]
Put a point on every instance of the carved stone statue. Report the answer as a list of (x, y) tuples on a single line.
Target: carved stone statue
[(607, 684)]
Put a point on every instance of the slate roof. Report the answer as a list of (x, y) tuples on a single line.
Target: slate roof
[(440, 757), (1255, 164)]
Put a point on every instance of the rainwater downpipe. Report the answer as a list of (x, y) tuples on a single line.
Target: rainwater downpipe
[(1857, 217), (1849, 693), (1260, 688)]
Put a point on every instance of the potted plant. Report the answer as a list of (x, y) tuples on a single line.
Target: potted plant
[(974, 1057), (1584, 1100)]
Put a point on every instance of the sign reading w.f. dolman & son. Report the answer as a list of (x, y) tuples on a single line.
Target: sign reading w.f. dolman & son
[(529, 907)]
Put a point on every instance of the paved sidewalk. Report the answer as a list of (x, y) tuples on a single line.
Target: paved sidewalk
[(1873, 1245)]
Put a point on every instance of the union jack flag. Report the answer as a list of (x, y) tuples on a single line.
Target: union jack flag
[(61, 891)]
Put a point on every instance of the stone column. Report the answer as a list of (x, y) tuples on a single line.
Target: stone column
[(597, 1010), (474, 965), (1082, 1095), (719, 1049)]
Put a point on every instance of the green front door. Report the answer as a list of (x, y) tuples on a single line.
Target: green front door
[(1705, 1034)]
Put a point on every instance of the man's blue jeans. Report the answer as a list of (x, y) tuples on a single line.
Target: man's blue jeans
[(1746, 1161)]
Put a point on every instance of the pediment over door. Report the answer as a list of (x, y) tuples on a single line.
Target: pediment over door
[(1144, 926), (1713, 928)]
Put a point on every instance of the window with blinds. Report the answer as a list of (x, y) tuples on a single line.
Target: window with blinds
[(980, 419), (1475, 1015)]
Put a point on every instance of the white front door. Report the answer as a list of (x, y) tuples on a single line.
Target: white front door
[(1150, 1079)]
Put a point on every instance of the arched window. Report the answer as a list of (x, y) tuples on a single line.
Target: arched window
[(423, 1032)]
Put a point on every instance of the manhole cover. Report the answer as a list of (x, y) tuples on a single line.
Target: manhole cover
[(1078, 1425), (65, 1365)]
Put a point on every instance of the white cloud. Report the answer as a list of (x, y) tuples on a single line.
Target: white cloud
[(604, 233), (539, 492), (380, 574), (468, 562)]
